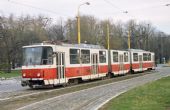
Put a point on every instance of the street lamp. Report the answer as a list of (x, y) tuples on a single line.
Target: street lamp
[(78, 22)]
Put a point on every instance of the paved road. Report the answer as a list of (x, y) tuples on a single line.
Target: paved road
[(10, 86), (91, 99)]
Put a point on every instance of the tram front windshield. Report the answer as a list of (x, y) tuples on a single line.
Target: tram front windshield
[(37, 56)]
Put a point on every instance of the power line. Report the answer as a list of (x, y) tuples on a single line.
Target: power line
[(112, 4), (149, 7), (38, 8), (128, 12), (122, 11)]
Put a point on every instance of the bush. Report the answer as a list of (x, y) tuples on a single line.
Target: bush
[(2, 72), (4, 66)]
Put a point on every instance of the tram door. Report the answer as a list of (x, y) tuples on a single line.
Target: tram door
[(140, 63), (94, 62), (121, 64), (60, 63)]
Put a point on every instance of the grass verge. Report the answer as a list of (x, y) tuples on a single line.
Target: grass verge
[(14, 73), (152, 96)]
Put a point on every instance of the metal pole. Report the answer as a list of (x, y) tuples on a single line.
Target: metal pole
[(148, 47), (78, 27), (108, 37), (129, 38), (78, 22), (108, 48)]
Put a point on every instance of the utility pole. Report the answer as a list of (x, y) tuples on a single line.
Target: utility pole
[(78, 22), (129, 38), (78, 27), (147, 40), (108, 48), (108, 37), (129, 47)]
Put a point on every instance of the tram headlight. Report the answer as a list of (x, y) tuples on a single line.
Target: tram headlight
[(38, 74), (23, 74)]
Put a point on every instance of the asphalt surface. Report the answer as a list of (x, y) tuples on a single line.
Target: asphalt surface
[(10, 85), (93, 98)]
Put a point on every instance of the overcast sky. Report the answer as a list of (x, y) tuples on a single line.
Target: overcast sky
[(152, 11)]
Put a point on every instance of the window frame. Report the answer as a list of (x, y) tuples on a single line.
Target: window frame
[(77, 56), (117, 60), (149, 56), (85, 58), (145, 57), (49, 57), (135, 57), (102, 57), (126, 57)]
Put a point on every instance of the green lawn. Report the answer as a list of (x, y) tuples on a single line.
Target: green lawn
[(13, 73), (152, 96)]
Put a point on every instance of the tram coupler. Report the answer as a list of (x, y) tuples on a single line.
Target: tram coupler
[(24, 83)]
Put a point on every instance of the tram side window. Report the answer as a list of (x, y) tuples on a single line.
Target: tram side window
[(125, 57), (74, 56), (47, 56), (102, 56), (135, 56), (85, 56), (145, 57), (149, 57), (115, 56)]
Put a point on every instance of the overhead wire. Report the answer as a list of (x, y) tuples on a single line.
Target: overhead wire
[(128, 11), (113, 5), (107, 1), (37, 8), (118, 8)]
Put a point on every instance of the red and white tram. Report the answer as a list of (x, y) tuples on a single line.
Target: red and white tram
[(120, 62), (50, 64), (142, 60)]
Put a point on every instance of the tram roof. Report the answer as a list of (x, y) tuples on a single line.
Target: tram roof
[(138, 50), (91, 46)]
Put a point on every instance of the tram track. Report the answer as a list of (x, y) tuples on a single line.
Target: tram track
[(41, 94)]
